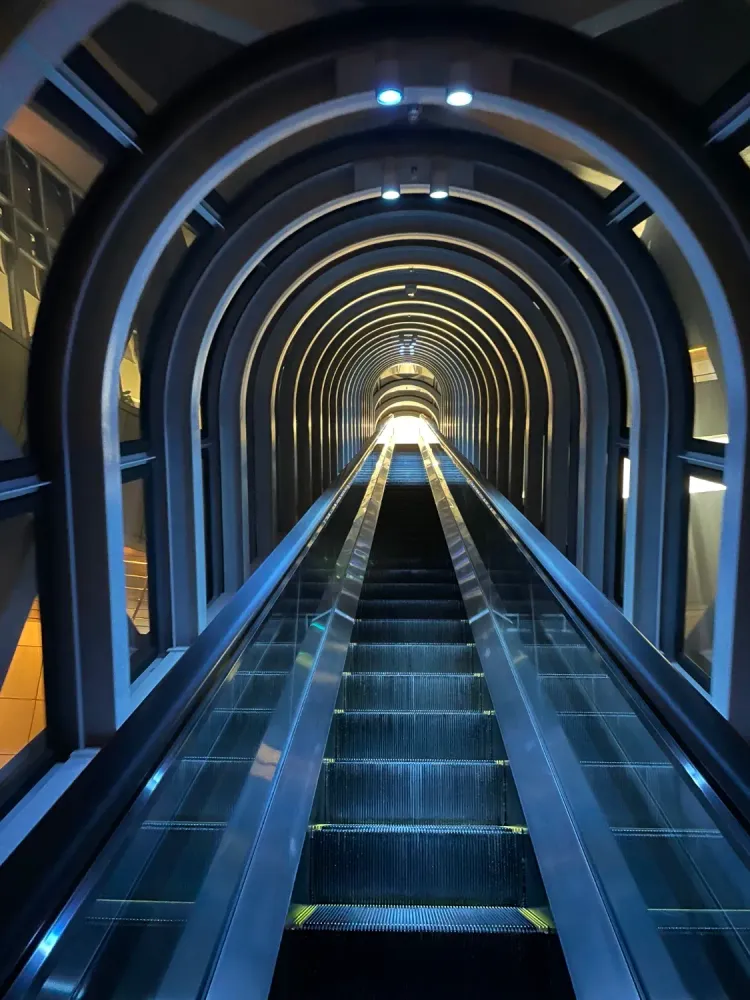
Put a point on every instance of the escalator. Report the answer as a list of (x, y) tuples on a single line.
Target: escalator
[(418, 875), (415, 770)]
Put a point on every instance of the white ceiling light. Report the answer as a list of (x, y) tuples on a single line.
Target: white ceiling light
[(388, 92), (459, 93)]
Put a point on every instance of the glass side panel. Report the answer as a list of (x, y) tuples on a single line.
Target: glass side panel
[(22, 712), (693, 880), (141, 895), (705, 512)]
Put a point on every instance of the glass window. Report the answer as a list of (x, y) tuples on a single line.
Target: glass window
[(6, 313), (31, 240), (26, 194), (4, 169), (136, 575), (706, 508), (130, 372), (22, 712), (6, 220), (57, 205), (29, 278)]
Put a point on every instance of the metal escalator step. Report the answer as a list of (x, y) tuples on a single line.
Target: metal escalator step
[(384, 791), (400, 691), (460, 865), (387, 576), (413, 657), (410, 609), (448, 919), (415, 736), (421, 590), (411, 630)]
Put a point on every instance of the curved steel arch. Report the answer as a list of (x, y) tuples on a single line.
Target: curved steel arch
[(706, 213)]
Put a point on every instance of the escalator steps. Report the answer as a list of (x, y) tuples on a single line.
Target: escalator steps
[(373, 965), (429, 658), (415, 736), (448, 919), (426, 630), (412, 863), (410, 608), (382, 691), (376, 791)]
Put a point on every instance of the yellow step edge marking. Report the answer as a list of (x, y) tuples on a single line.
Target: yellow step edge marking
[(299, 913), (541, 919)]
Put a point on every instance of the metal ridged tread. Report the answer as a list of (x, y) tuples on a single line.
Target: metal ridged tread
[(447, 919), (417, 836)]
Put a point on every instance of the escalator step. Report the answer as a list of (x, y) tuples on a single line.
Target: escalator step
[(411, 609), (371, 965), (393, 691), (448, 919), (382, 791), (389, 591), (461, 865), (413, 657), (384, 575), (414, 736), (411, 630)]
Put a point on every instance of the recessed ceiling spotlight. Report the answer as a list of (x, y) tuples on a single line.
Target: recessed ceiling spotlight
[(439, 184), (390, 189), (388, 90), (459, 93), (390, 193)]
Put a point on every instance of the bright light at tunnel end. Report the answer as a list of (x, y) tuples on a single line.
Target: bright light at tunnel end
[(407, 430), (389, 97)]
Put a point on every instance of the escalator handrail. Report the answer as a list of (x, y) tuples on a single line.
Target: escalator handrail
[(45, 868), (709, 740)]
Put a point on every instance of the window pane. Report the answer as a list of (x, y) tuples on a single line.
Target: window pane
[(31, 240), (57, 205), (706, 507), (6, 220), (6, 315), (22, 713), (130, 390), (29, 278), (4, 169), (136, 575), (26, 195)]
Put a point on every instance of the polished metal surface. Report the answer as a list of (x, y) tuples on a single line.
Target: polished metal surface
[(610, 941)]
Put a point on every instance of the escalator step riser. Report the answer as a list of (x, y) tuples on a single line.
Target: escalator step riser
[(489, 868), (418, 792), (405, 630), (648, 797), (344, 965), (430, 658), (410, 609), (385, 576), (416, 692), (410, 591), (438, 736), (224, 735)]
